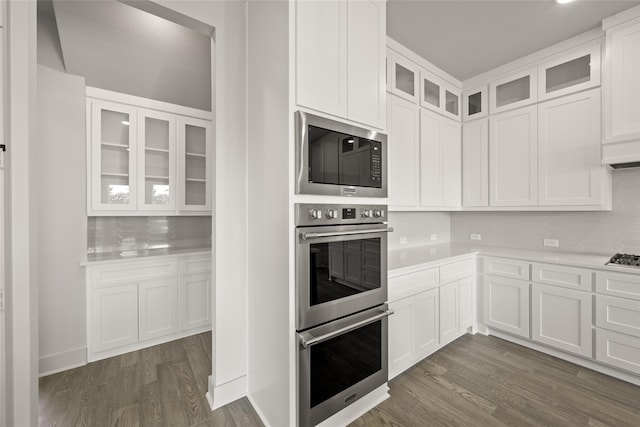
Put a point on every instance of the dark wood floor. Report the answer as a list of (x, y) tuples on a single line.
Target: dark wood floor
[(475, 381)]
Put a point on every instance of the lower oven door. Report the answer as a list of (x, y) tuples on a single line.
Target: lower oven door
[(340, 270), (340, 362)]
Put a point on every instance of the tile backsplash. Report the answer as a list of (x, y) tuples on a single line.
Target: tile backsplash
[(417, 228), (604, 233), (114, 234)]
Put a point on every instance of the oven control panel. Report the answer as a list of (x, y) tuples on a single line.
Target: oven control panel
[(327, 214)]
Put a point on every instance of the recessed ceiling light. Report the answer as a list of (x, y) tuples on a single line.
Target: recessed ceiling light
[(563, 1), (124, 122)]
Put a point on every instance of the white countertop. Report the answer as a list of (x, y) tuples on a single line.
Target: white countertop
[(406, 260), (143, 254)]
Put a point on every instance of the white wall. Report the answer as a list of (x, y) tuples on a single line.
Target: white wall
[(604, 233), (59, 174), (269, 124), (230, 218)]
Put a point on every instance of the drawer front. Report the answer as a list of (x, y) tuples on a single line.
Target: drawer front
[(195, 265), (619, 350), (506, 268), (412, 283), (618, 314), (617, 284), (566, 277), (127, 272), (457, 270)]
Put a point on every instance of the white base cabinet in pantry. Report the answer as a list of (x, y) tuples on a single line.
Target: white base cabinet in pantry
[(138, 303)]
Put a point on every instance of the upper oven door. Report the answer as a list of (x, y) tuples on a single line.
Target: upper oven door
[(340, 270), (333, 158)]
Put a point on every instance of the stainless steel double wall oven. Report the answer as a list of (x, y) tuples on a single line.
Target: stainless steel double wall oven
[(341, 290)]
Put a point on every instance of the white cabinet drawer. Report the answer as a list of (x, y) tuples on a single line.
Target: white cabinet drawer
[(196, 265), (618, 314), (618, 284), (619, 350), (558, 275), (457, 270), (127, 272), (507, 268), (412, 283)]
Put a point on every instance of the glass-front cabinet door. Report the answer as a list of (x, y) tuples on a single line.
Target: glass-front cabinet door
[(578, 70), (513, 91), (113, 156), (430, 91), (474, 103), (195, 159), (156, 161), (404, 78)]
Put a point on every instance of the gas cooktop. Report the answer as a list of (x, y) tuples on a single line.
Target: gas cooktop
[(625, 260)]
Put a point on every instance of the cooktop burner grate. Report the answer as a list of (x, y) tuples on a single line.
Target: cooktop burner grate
[(625, 260)]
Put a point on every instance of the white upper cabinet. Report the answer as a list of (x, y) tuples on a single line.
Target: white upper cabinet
[(340, 59), (513, 91), (404, 158), (570, 169), (475, 103), (439, 96), (621, 89), (147, 161), (475, 163), (513, 164), (569, 72), (113, 143), (404, 78), (440, 164)]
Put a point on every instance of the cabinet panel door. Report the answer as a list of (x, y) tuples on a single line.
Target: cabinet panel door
[(158, 301), (562, 318), (619, 350), (156, 160), (513, 165), (401, 335), (475, 163), (195, 160), (321, 56), (427, 323), (618, 284), (195, 301), (114, 317), (113, 146), (622, 82), (618, 314), (506, 305), (570, 170), (366, 35), (449, 313), (404, 137), (431, 172), (451, 140), (560, 275), (467, 313)]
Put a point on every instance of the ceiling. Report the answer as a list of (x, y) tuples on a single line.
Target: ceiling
[(467, 38)]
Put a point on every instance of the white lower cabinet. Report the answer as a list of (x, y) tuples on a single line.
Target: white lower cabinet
[(402, 351), (619, 350), (506, 304), (427, 315), (562, 318), (449, 313), (158, 312), (114, 317), (137, 303), (466, 298)]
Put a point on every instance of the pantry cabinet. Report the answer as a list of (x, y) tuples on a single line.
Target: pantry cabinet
[(404, 153), (340, 59), (513, 164), (147, 157), (475, 163), (570, 171)]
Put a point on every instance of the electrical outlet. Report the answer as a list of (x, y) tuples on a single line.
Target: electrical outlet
[(128, 241), (434, 237), (403, 240), (475, 237), (553, 243)]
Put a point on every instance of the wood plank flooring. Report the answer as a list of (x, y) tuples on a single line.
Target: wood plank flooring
[(475, 381)]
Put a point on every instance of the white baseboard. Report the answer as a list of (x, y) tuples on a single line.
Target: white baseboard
[(220, 395), (358, 408), (62, 361), (258, 411)]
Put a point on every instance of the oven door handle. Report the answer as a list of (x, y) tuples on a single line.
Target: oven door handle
[(307, 339), (314, 235)]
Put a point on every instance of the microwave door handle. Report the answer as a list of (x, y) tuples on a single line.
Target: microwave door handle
[(312, 235), (308, 339)]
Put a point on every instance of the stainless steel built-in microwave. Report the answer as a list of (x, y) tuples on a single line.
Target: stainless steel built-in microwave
[(334, 158)]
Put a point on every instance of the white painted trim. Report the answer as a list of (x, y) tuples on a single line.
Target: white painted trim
[(621, 17), (534, 58), (223, 394), (152, 104), (423, 63), (62, 361), (358, 408)]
